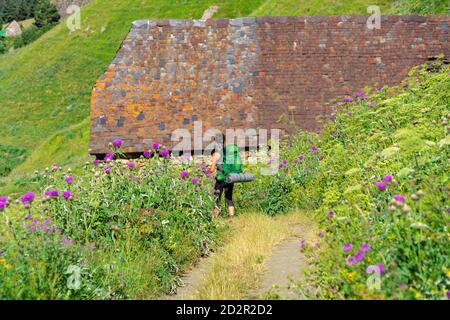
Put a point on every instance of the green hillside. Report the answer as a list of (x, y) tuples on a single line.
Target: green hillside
[(45, 87)]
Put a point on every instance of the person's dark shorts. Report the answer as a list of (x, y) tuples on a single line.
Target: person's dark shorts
[(223, 187)]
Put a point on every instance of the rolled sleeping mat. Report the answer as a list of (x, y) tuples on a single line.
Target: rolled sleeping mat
[(239, 177)]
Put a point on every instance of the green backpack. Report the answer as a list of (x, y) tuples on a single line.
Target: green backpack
[(231, 162)]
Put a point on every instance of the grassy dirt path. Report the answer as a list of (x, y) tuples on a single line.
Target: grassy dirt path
[(260, 257), (284, 268)]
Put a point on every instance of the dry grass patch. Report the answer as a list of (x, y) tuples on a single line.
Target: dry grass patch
[(237, 268)]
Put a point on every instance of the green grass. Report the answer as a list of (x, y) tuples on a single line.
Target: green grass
[(68, 147), (421, 7), (318, 7)]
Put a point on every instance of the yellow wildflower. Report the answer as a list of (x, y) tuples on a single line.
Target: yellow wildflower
[(8, 266), (351, 275)]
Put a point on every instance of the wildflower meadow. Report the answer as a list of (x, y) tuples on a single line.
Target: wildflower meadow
[(374, 179)]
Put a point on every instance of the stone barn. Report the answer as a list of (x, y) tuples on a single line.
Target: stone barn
[(268, 72)]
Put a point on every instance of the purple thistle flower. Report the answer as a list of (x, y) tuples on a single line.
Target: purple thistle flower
[(365, 247), (359, 255), (347, 99), (107, 170), (55, 166), (66, 241), (52, 193), (406, 85), (109, 157), (131, 165), (302, 244), (332, 117), (399, 198), (351, 261), (29, 216), (381, 186), (448, 294), (68, 179), (33, 228), (361, 95), (147, 153), (117, 143), (184, 174), (347, 247), (296, 160), (321, 234), (195, 180), (164, 152), (156, 145), (314, 149), (96, 161), (381, 268), (27, 198), (387, 178), (4, 199), (67, 195), (330, 214), (2, 206)]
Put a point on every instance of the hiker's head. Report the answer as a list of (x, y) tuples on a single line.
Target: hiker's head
[(219, 142)]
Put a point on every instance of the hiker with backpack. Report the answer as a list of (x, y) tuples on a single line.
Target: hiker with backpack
[(225, 161)]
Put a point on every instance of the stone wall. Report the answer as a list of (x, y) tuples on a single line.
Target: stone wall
[(268, 72)]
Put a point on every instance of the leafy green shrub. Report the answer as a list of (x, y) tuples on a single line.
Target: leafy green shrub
[(29, 35), (276, 198), (381, 192), (421, 7), (3, 47)]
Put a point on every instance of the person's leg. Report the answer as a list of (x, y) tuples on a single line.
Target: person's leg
[(218, 189), (229, 199)]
